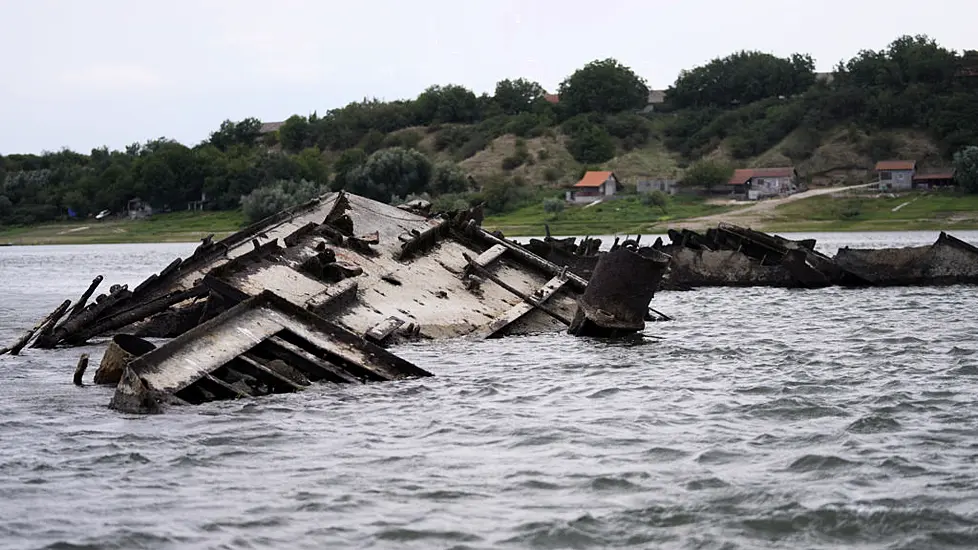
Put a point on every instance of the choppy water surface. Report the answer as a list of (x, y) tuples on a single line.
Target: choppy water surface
[(762, 418)]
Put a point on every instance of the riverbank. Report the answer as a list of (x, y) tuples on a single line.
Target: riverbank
[(162, 228), (814, 211), (839, 209)]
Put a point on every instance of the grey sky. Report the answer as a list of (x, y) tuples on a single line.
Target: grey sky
[(86, 73)]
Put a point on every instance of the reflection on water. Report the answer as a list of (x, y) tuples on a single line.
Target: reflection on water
[(764, 418)]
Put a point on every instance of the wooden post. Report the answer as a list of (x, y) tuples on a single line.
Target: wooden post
[(80, 369)]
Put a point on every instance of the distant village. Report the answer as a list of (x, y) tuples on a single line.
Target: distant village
[(751, 184)]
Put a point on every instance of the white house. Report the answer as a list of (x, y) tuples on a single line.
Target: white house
[(668, 186), (896, 174), (757, 183), (594, 186)]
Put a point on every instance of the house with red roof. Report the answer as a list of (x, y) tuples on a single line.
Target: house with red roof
[(933, 180), (758, 183), (594, 186), (896, 174)]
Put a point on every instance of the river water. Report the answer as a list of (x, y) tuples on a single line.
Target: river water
[(758, 418)]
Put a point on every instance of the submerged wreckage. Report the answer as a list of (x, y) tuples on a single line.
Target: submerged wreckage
[(733, 256), (317, 291)]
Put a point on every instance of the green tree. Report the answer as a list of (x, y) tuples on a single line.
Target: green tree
[(518, 96), (605, 87), (452, 103), (295, 133), (966, 168), (391, 174), (742, 77), (312, 167), (707, 174), (231, 133), (591, 144)]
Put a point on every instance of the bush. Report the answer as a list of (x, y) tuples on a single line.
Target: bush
[(519, 157), (511, 162), (271, 199), (451, 202), (522, 125), (504, 194), (449, 178), (452, 138), (551, 174), (390, 174), (656, 198), (477, 143), (803, 146), (553, 207), (591, 145), (633, 130), (408, 139), (707, 174)]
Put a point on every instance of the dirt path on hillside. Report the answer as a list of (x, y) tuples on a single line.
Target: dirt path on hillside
[(758, 212)]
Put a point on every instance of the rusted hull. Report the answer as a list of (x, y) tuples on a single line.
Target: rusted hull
[(618, 295), (736, 256), (948, 261)]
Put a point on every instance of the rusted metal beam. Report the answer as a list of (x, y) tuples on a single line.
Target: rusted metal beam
[(537, 303), (518, 311)]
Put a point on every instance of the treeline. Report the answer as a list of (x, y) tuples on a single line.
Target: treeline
[(368, 147), (746, 102), (750, 101)]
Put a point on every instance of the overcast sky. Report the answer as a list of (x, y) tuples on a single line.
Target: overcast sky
[(86, 73)]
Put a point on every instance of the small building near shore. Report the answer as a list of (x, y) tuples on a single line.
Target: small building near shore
[(594, 186), (934, 180), (668, 186), (758, 183), (896, 174)]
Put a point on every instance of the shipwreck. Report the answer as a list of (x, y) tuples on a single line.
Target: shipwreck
[(318, 291), (733, 256)]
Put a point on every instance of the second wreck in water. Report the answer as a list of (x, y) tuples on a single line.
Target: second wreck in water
[(317, 291)]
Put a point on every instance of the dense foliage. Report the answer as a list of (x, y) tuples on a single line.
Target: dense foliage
[(743, 104), (603, 87), (965, 169), (707, 174), (741, 78), (268, 200), (391, 174)]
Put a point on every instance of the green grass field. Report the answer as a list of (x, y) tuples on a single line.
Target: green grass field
[(174, 227), (624, 215), (913, 211)]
